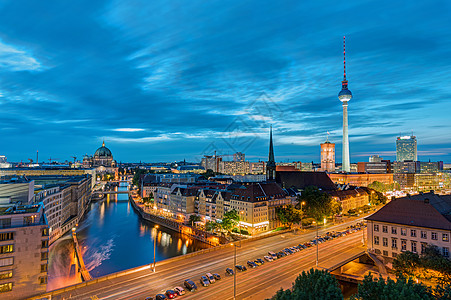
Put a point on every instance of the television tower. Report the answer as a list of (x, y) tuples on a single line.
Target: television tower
[(345, 95)]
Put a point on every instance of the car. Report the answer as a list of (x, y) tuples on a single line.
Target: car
[(272, 254), (281, 254), (241, 268), (302, 246), (160, 297), (179, 290), (259, 261), (204, 281), (217, 276), (171, 294), (229, 272), (149, 298), (190, 285), (268, 258), (210, 277), (251, 264)]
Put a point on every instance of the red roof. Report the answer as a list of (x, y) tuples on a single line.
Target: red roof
[(411, 212)]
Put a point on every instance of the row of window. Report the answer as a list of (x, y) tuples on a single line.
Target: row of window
[(413, 232), (6, 287), (7, 236), (413, 245), (6, 249)]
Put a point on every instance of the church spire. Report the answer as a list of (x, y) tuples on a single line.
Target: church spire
[(271, 148), (271, 164), (103, 143)]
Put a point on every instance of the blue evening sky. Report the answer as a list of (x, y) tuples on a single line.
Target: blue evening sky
[(171, 80)]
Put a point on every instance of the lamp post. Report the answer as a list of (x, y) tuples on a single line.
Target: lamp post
[(302, 215), (234, 270), (317, 244), (155, 247)]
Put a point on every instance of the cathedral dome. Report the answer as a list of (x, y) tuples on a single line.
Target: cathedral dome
[(103, 152)]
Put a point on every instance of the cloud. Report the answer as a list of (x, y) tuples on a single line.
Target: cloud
[(129, 129), (15, 59)]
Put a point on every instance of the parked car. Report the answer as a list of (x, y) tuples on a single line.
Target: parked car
[(229, 271), (149, 298), (240, 268), (171, 294), (204, 281), (268, 258), (259, 261), (179, 290), (160, 297), (210, 277), (251, 264), (272, 254), (217, 276), (190, 285), (281, 254)]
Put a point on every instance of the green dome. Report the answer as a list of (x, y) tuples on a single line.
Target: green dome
[(103, 152)]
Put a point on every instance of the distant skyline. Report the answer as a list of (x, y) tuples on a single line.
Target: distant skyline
[(173, 80)]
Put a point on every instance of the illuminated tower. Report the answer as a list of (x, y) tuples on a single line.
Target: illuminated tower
[(328, 156), (271, 164), (345, 95)]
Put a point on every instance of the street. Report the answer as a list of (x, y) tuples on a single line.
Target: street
[(259, 283)]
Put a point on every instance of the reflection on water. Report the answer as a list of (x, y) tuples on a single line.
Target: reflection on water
[(114, 238)]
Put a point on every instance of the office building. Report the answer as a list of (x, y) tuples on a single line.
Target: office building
[(16, 190), (375, 158), (24, 255), (239, 157), (406, 148), (360, 179)]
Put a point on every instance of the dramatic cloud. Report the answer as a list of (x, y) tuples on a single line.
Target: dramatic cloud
[(168, 80)]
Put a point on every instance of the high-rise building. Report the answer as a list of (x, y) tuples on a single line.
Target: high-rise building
[(406, 148), (328, 156), (271, 165), (345, 95)]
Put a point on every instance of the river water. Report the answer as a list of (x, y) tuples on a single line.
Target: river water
[(113, 238)]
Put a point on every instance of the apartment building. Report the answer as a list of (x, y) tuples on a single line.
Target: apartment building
[(24, 242), (409, 224)]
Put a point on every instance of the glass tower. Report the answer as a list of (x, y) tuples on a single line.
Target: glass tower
[(406, 148)]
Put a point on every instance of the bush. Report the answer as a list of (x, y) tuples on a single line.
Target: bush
[(235, 230), (244, 231), (307, 221)]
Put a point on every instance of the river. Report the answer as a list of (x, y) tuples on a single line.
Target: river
[(114, 238)]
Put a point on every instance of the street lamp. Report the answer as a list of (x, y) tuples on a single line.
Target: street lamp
[(302, 215), (155, 246), (234, 270), (317, 244)]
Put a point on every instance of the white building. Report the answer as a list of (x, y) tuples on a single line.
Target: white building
[(409, 224)]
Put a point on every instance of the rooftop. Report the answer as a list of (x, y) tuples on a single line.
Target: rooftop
[(420, 212)]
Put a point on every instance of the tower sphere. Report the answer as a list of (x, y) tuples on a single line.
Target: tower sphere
[(344, 95)]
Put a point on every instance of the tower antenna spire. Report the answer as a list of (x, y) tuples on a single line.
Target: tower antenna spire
[(344, 83)]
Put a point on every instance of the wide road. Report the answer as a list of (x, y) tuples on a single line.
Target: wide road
[(259, 283)]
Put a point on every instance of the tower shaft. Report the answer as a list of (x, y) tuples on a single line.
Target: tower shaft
[(346, 166)]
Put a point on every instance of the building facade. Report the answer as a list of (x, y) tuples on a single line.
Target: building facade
[(410, 224), (406, 148), (360, 179), (328, 157), (24, 253)]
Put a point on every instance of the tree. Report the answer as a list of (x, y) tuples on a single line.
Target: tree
[(230, 220), (314, 284), (211, 226), (375, 289), (406, 263), (289, 215), (194, 218), (137, 176), (319, 205)]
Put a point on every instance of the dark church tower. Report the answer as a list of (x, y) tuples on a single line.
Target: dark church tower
[(271, 164)]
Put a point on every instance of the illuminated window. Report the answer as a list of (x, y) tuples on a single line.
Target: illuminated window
[(6, 287), (445, 237), (6, 274), (6, 249), (7, 236)]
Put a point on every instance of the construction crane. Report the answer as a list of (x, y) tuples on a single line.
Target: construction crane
[(74, 157), (31, 161), (52, 159)]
